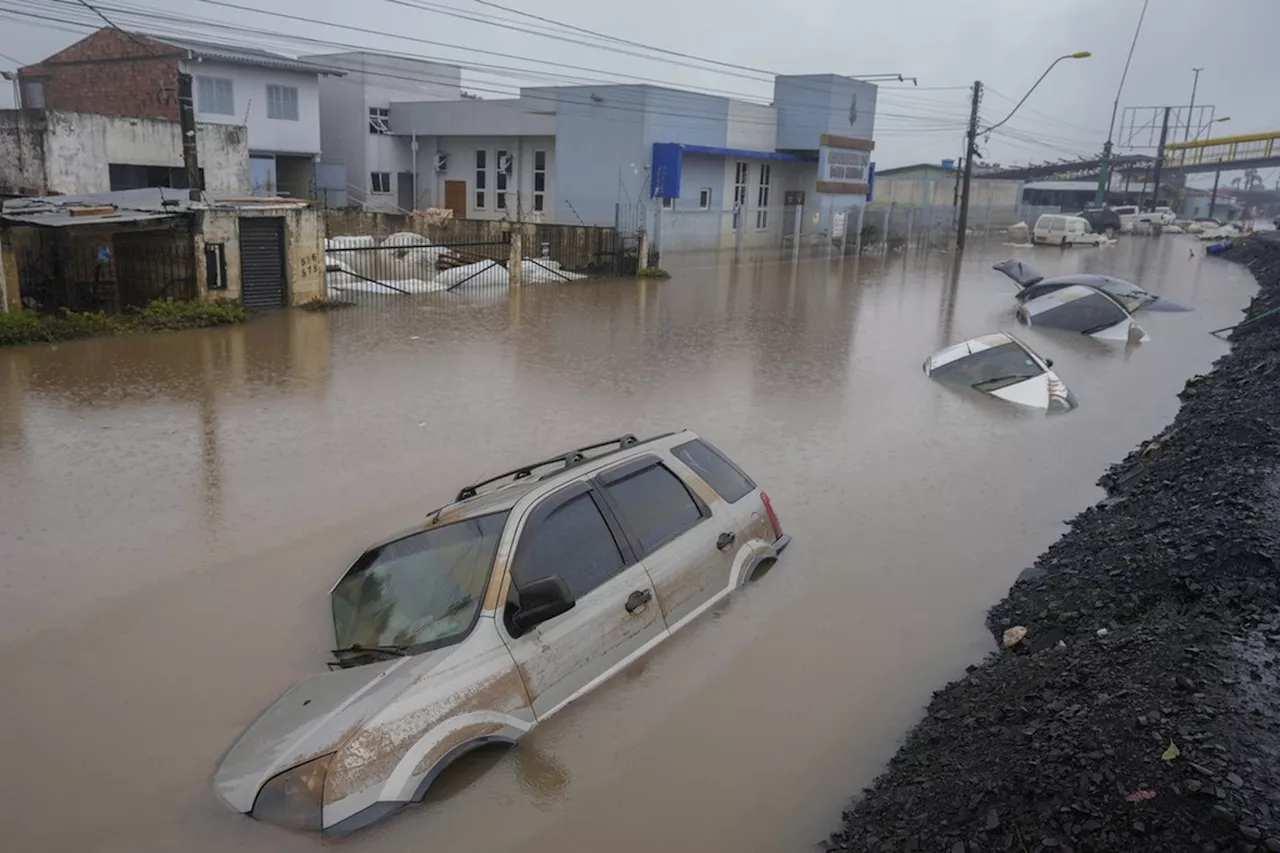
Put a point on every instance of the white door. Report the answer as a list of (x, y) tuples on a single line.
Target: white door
[(615, 618)]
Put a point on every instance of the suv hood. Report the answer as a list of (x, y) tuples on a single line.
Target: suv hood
[(313, 718)]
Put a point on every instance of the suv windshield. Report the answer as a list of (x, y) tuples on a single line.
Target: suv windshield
[(424, 589), (991, 369)]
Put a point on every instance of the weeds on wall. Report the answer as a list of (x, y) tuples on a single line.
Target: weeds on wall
[(159, 315)]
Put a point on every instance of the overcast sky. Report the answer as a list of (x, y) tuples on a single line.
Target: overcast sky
[(943, 43)]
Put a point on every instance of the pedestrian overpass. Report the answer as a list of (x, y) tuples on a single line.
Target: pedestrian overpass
[(1225, 153)]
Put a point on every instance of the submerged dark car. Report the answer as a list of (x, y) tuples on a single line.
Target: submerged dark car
[(1103, 220), (1033, 285)]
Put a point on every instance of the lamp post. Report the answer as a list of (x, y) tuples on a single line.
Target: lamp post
[(971, 146), (1192, 109), (1104, 173)]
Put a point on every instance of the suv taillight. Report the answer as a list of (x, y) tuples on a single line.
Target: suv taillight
[(773, 516)]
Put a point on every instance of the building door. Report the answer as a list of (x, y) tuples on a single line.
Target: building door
[(262, 262), (408, 193), (455, 198)]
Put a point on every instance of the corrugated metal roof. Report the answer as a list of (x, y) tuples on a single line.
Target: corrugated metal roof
[(64, 219), (245, 56)]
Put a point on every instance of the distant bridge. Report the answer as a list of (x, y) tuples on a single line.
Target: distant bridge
[(1247, 151)]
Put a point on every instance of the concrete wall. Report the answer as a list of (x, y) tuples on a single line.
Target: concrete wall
[(810, 105), (751, 126), (249, 93), (69, 153), (941, 191), (10, 296), (303, 249)]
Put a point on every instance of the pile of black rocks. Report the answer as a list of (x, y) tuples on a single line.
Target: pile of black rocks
[(1141, 712)]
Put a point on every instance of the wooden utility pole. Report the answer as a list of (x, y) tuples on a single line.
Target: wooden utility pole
[(187, 125), (971, 151)]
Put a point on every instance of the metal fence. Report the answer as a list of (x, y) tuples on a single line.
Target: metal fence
[(60, 268)]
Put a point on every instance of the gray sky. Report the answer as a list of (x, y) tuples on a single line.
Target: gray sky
[(944, 43)]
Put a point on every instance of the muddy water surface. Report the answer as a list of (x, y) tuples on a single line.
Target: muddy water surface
[(174, 508)]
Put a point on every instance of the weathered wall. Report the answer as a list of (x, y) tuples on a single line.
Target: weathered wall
[(70, 153), (303, 250), (110, 72), (941, 191)]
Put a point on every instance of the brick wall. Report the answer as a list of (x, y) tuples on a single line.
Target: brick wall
[(111, 73)]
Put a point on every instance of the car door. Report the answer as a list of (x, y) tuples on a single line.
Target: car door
[(571, 533), (688, 547)]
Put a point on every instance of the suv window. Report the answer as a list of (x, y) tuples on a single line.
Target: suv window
[(574, 542), (655, 505), (721, 474)]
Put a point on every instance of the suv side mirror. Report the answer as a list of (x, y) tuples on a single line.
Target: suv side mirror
[(540, 600)]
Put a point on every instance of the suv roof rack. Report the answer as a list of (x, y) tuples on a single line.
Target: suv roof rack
[(566, 460)]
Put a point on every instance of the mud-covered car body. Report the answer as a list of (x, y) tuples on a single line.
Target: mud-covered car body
[(523, 595)]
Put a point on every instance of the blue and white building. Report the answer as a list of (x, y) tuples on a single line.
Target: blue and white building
[(704, 171)]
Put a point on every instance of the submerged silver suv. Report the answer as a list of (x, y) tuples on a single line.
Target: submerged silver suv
[(528, 591)]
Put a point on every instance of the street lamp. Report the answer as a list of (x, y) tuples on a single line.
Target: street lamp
[(971, 149)]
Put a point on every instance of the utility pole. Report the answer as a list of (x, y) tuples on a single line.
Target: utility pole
[(1213, 199), (1164, 134), (187, 126), (1191, 110), (971, 150), (1104, 173)]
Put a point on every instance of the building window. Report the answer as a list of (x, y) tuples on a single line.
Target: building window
[(282, 102), (539, 179), (762, 197), (379, 120), (704, 198), (740, 173), (214, 95), (482, 172), (380, 182), (500, 179), (668, 204), (33, 94)]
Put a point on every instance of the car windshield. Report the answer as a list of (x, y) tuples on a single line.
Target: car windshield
[(1130, 295), (990, 369), (424, 589)]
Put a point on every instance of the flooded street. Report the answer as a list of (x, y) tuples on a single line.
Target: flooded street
[(174, 509)]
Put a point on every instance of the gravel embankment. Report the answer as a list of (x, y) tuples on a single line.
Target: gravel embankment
[(1142, 711)]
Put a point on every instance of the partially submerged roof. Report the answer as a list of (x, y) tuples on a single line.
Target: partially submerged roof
[(244, 55), (970, 347)]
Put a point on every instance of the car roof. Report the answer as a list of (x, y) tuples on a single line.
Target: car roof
[(973, 346)]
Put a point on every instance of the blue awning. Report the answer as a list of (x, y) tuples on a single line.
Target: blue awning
[(668, 162)]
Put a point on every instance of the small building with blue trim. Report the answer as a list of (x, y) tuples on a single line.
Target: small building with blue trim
[(702, 171)]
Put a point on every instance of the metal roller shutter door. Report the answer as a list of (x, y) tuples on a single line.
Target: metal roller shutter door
[(262, 263)]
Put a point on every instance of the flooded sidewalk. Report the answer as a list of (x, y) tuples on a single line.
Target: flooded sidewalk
[(175, 508)]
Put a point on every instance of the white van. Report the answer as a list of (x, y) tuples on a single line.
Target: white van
[(1128, 216), (1053, 229)]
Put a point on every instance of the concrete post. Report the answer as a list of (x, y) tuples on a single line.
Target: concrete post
[(857, 244), (911, 218), (10, 297), (795, 227), (884, 228), (516, 258), (643, 261)]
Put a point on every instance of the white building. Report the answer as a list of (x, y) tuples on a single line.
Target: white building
[(366, 160)]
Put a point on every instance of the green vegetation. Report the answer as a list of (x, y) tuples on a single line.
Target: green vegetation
[(28, 327), (652, 272), (319, 304)]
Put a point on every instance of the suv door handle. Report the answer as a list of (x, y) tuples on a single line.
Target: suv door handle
[(638, 599), (725, 540)]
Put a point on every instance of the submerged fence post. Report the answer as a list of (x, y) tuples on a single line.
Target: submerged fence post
[(516, 258), (642, 262)]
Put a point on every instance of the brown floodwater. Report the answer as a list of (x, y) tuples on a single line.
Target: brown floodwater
[(174, 508)]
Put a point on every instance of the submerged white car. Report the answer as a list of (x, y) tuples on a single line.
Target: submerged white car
[(1032, 284), (527, 592), (1002, 366), (1083, 309)]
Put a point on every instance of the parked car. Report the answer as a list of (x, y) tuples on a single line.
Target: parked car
[(1103, 220), (1002, 366), (1128, 294), (1086, 310), (1128, 214), (1161, 215), (527, 592), (1053, 229)]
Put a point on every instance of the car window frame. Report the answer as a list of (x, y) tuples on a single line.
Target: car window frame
[(542, 510), (440, 642), (603, 479), (715, 451)]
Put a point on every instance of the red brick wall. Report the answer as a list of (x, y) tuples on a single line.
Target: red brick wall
[(110, 73)]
